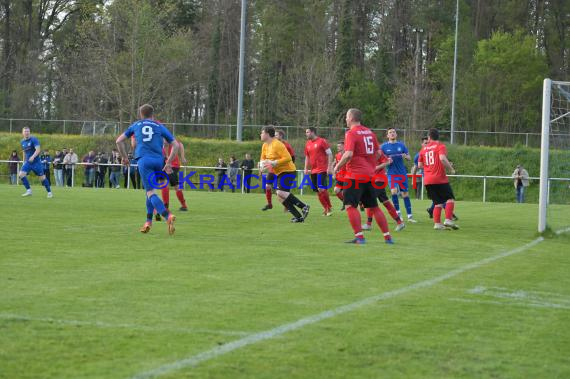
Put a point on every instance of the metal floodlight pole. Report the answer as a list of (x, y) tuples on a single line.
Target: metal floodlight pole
[(241, 70), (416, 75), (454, 73)]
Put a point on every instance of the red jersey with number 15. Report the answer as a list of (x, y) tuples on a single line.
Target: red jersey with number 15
[(434, 170), (364, 146)]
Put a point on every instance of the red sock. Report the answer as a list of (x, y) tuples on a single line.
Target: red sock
[(321, 196), (166, 195), (268, 196), (370, 215), (392, 211), (437, 214), (180, 197), (381, 221), (449, 209), (327, 199), (355, 221), (340, 195)]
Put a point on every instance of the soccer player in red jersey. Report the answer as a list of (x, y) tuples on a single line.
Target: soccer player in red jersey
[(319, 157), (380, 174), (361, 153), (280, 135), (338, 188), (433, 159), (173, 177)]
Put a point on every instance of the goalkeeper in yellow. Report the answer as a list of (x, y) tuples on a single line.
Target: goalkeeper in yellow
[(278, 160)]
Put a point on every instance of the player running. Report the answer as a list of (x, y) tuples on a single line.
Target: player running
[(280, 162), (32, 162), (149, 135), (173, 177), (280, 135), (380, 187), (397, 151), (361, 152), (319, 163), (433, 159)]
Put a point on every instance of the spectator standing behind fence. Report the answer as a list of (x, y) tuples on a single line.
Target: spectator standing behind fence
[(115, 171), (233, 170), (135, 176), (45, 158), (521, 180), (70, 161), (89, 167), (58, 168), (13, 167), (221, 168), (247, 166), (100, 169)]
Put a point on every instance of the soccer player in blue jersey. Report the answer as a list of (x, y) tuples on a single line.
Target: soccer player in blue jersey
[(32, 162), (149, 135), (397, 151)]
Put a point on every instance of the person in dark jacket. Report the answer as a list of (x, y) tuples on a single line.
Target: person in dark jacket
[(247, 166), (13, 167), (45, 158)]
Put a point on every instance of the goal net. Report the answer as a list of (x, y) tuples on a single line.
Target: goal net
[(554, 197), (97, 128)]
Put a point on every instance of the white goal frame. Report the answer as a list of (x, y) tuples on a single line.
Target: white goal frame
[(545, 150)]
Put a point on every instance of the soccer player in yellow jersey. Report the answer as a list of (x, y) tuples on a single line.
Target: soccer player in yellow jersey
[(281, 163)]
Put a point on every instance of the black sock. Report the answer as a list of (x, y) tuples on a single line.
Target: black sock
[(165, 214), (287, 203), (295, 201)]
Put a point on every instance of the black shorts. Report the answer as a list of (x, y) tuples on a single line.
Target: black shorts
[(360, 192), (439, 193), (173, 178), (381, 192), (286, 181), (319, 180), (270, 180), (341, 184)]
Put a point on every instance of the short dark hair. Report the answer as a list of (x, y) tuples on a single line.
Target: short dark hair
[(340, 143), (424, 138), (269, 129), (146, 110), (282, 132), (356, 114), (387, 130), (312, 129), (433, 134)]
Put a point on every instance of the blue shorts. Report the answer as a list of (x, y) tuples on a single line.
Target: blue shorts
[(401, 185), (150, 169), (36, 167)]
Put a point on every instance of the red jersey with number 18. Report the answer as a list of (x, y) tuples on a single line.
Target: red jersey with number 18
[(364, 145), (434, 170)]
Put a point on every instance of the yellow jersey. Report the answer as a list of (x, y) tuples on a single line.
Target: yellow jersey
[(276, 151)]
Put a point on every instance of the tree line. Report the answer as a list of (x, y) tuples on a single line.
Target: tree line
[(307, 60)]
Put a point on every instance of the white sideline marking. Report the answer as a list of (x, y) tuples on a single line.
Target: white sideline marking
[(561, 231), (99, 324), (272, 333), (518, 304)]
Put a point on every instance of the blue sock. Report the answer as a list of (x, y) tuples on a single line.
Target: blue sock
[(396, 202), (408, 204), (158, 205), (45, 182), (25, 182), (149, 210)]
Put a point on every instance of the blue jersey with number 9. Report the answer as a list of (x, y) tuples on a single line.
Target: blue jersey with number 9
[(149, 135)]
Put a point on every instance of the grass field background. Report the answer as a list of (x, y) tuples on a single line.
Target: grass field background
[(85, 295)]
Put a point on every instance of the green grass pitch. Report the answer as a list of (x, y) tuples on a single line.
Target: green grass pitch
[(85, 295)]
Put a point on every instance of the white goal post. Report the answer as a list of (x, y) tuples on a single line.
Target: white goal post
[(561, 106)]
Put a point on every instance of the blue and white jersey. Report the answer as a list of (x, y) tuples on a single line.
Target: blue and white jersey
[(419, 171), (148, 135), (29, 146), (395, 151)]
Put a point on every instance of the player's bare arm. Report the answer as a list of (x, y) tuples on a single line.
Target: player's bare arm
[(447, 164), (346, 157), (122, 150), (168, 165), (330, 158), (181, 153)]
